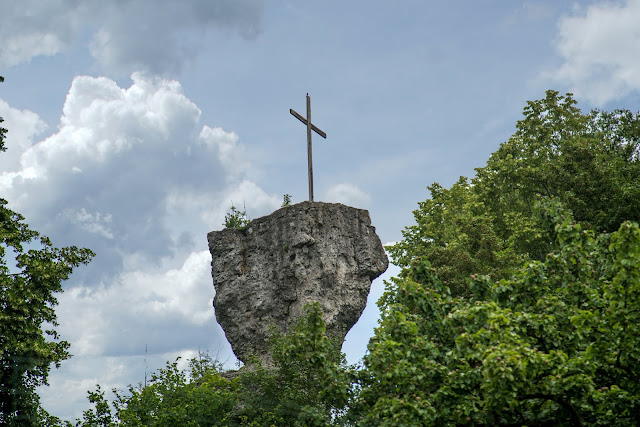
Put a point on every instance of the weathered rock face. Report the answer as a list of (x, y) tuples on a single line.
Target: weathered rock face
[(310, 251)]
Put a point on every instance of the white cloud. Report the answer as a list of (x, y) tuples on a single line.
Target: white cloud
[(347, 194), (139, 34), (130, 172), (127, 34), (174, 302), (30, 28), (600, 46), (226, 145)]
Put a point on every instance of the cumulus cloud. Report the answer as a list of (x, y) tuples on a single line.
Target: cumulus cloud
[(347, 194), (30, 28), (135, 325), (165, 308), (125, 35), (600, 47), (169, 34), (132, 174)]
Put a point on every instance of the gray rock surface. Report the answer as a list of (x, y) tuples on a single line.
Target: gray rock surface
[(310, 251)]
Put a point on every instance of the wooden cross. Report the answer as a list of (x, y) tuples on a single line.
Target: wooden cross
[(310, 127)]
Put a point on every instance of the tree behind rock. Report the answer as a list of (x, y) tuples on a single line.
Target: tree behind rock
[(487, 225)]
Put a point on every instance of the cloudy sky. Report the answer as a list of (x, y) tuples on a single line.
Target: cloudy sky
[(134, 124)]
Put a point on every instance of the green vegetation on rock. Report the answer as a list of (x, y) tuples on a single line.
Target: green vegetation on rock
[(236, 219)]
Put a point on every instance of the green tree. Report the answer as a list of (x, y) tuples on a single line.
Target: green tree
[(456, 234), (196, 397), (587, 161), (311, 382), (556, 344), (590, 162), (31, 272), (508, 314), (308, 385)]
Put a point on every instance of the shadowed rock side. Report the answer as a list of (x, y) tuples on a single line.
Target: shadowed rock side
[(310, 251)]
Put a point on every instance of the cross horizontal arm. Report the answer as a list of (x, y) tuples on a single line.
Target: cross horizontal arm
[(313, 127)]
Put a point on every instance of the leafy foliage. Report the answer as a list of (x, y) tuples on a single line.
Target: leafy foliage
[(555, 344), (173, 397), (588, 162), (287, 200), (456, 235), (27, 301), (307, 386), (313, 383)]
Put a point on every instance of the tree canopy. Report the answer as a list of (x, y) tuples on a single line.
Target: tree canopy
[(486, 225), (556, 344)]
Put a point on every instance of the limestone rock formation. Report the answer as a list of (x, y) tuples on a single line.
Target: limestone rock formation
[(310, 251)]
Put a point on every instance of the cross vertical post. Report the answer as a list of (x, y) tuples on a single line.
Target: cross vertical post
[(309, 151), (310, 127)]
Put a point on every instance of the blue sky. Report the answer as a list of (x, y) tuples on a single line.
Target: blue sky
[(134, 124)]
